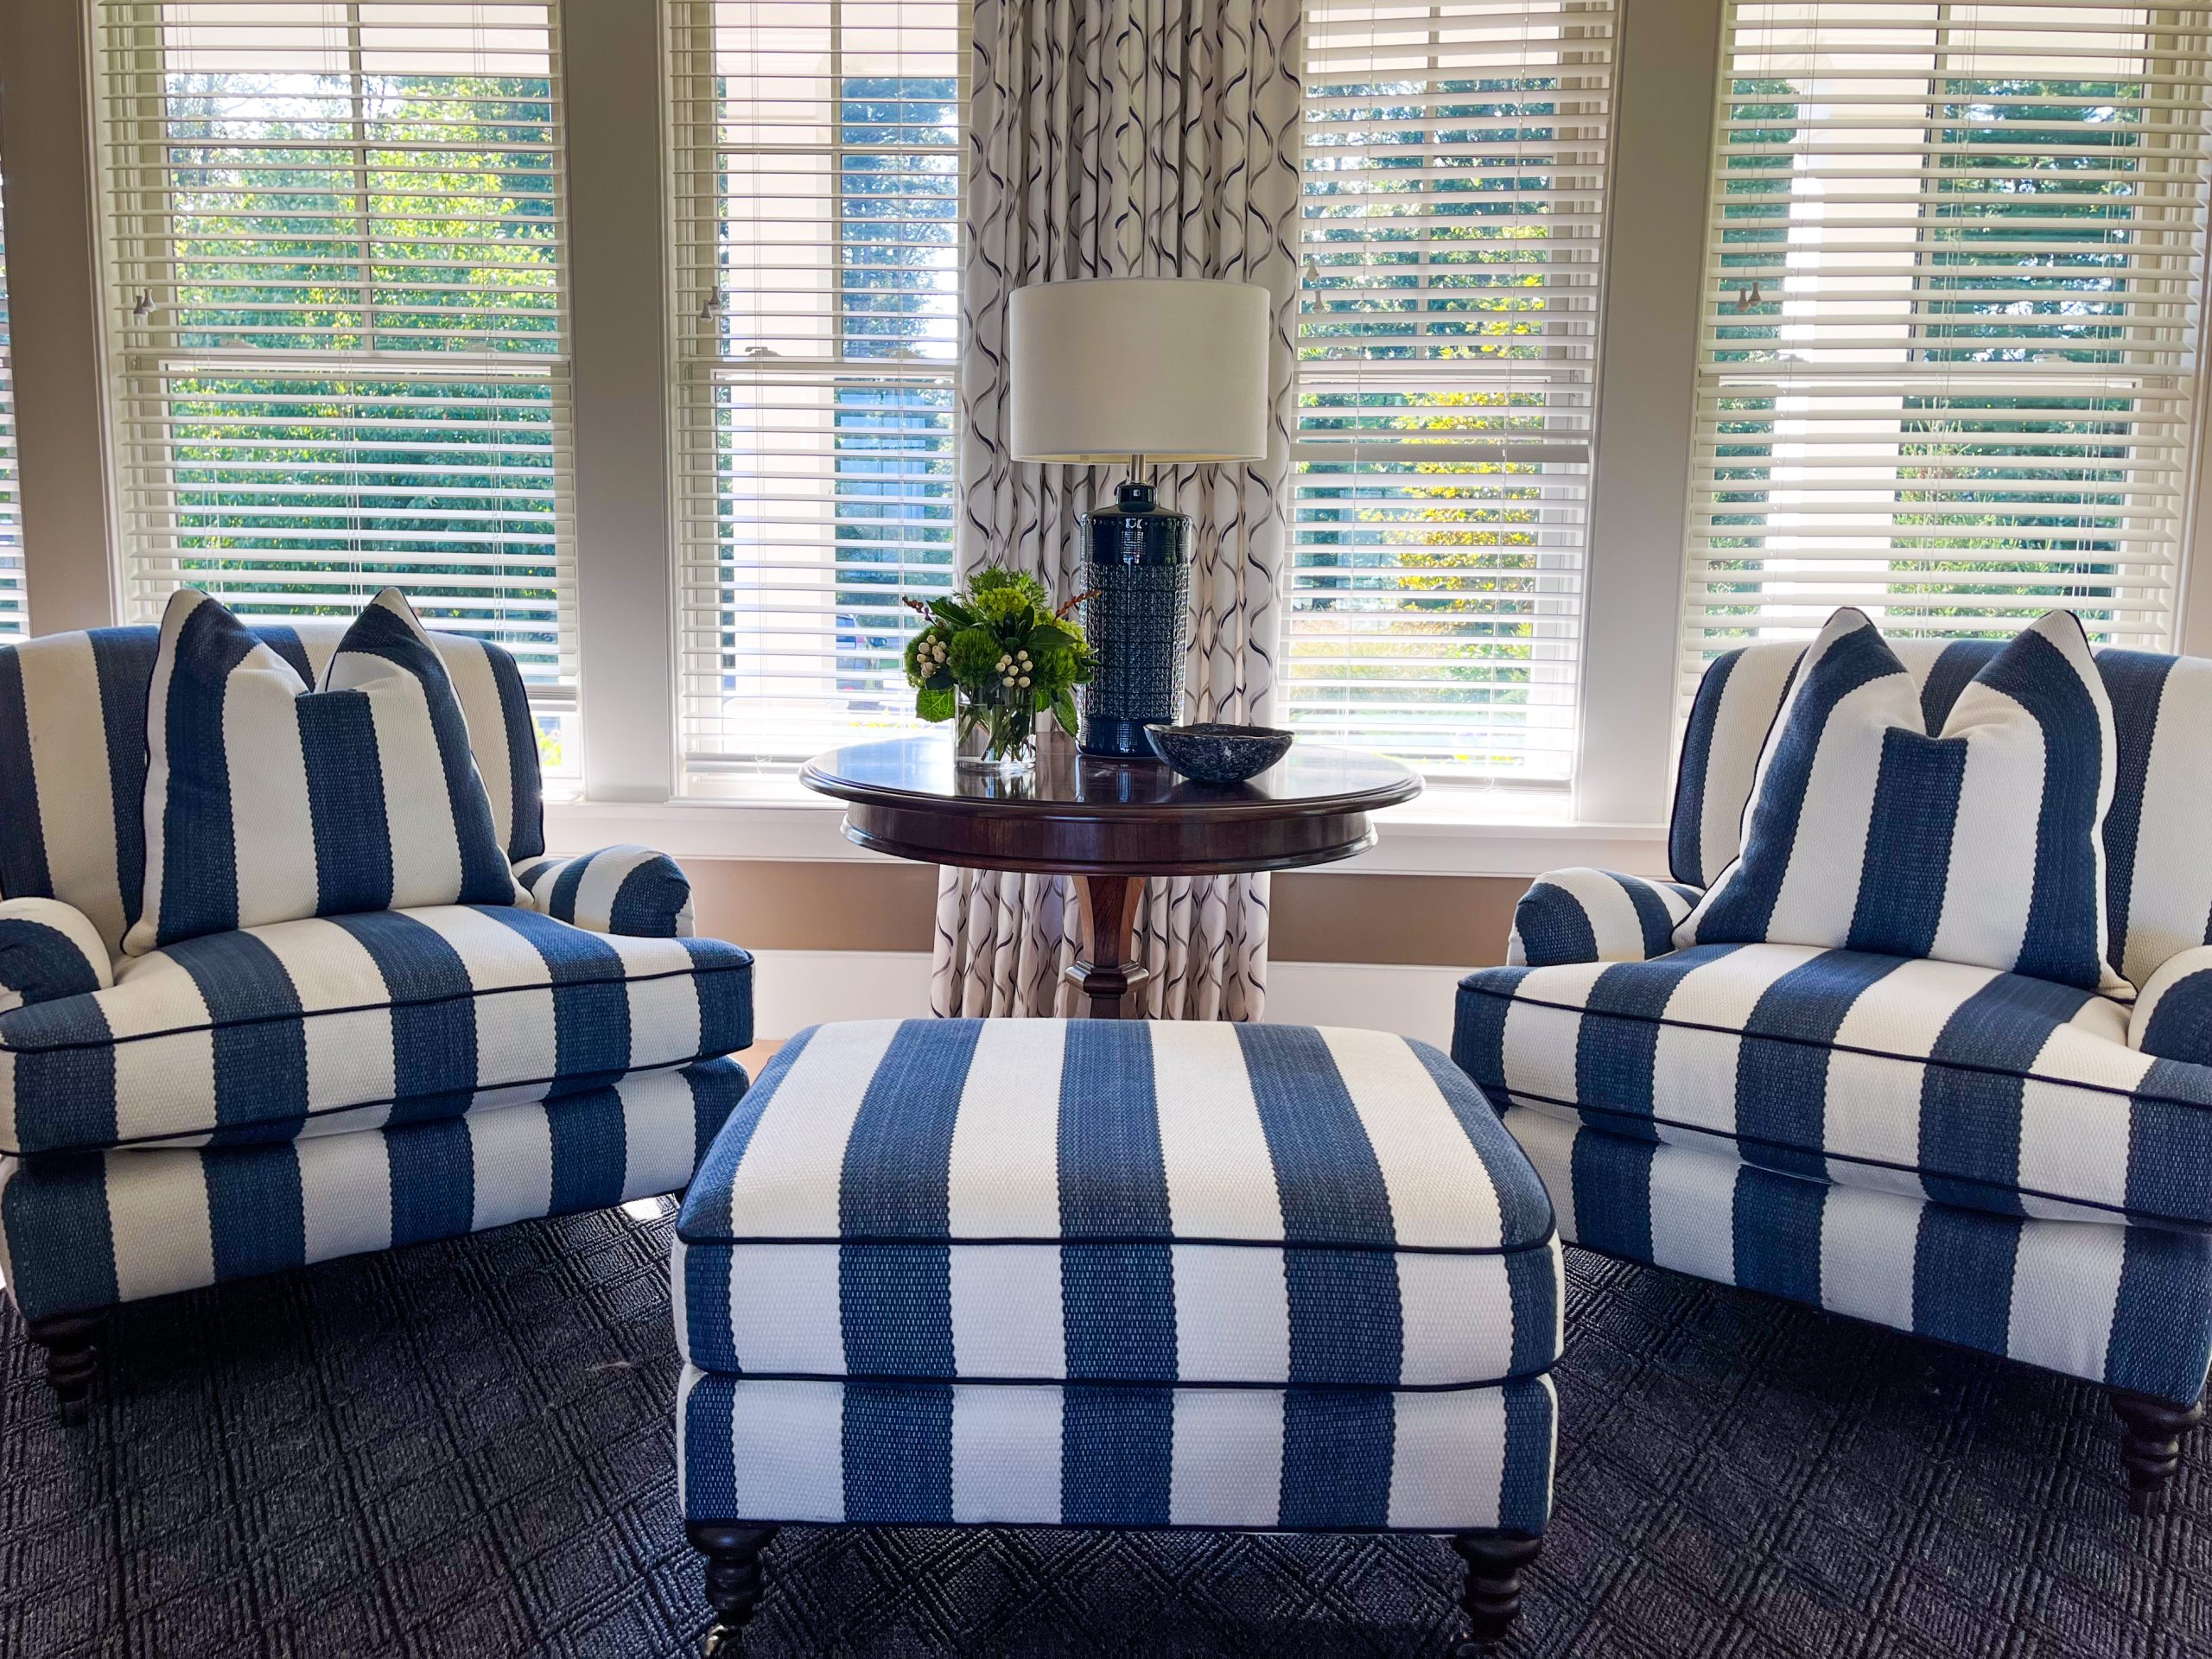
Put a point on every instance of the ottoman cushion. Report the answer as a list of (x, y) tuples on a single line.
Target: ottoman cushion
[(1118, 1203)]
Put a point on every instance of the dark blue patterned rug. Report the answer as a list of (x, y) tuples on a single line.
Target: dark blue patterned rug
[(464, 1450)]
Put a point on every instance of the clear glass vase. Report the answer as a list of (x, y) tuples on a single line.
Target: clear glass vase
[(996, 732)]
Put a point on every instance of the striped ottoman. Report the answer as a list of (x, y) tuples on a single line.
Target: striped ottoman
[(1096, 1274)]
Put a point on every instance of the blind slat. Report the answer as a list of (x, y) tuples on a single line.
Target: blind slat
[(817, 174), (15, 620), (1948, 359), (1454, 199), (337, 232)]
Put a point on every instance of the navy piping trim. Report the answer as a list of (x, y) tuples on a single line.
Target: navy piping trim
[(1368, 1248), (1146, 1526), (1967, 1066), (696, 971), (893, 1379), (2176, 1224)]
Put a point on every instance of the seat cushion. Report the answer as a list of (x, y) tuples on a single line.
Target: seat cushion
[(346, 1022), (978, 1454), (1974, 1087), (1023, 1200)]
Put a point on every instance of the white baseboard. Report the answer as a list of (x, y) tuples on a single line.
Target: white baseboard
[(793, 989), (1413, 1001)]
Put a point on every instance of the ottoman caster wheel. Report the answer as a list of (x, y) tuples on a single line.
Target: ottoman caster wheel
[(1492, 1596), (733, 1580)]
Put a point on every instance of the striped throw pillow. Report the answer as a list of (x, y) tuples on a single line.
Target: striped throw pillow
[(1982, 844), (267, 801)]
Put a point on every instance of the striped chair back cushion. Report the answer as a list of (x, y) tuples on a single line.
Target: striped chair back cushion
[(73, 757), (2157, 879)]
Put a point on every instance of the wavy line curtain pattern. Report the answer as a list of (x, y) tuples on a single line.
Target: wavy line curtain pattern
[(1130, 138)]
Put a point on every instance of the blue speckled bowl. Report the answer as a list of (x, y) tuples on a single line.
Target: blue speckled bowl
[(1209, 753)]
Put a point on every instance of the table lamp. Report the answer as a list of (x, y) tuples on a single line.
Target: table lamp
[(1139, 369)]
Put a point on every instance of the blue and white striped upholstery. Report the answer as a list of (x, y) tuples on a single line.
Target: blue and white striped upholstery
[(2016, 1166), (1990, 1091), (1125, 1270), (2173, 1015), (48, 949), (632, 890), (1585, 915), (2127, 1306), (353, 1022), (83, 1231), (1976, 838), (269, 797), (73, 757), (1305, 1459), (2157, 880), (250, 1100)]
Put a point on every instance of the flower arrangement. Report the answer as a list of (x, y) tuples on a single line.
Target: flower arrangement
[(996, 656)]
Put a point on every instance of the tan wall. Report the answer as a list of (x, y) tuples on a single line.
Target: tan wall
[(1433, 921)]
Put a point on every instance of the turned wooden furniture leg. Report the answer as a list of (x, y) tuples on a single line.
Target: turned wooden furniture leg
[(2150, 1442), (1105, 973), (733, 1553), (71, 1355), (1492, 1596)]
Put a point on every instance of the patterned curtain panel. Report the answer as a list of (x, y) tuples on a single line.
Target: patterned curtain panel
[(1128, 138)]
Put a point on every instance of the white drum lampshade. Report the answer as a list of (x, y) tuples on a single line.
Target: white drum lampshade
[(1137, 369), (1169, 368)]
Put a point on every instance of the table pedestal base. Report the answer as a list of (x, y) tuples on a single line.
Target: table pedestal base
[(1105, 973)]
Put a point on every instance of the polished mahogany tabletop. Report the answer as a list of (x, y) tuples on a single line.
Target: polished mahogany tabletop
[(1110, 824), (1077, 814)]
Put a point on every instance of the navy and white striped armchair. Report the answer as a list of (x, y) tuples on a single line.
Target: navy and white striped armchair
[(251, 1101), (2017, 1166)]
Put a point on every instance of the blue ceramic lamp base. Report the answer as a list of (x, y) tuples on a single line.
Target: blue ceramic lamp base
[(1137, 620)]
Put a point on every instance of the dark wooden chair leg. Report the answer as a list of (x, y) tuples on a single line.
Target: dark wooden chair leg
[(2150, 1442), (1492, 1596), (734, 1582), (70, 1341)]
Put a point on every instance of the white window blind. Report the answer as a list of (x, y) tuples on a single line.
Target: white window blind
[(1952, 318), (1454, 194), (339, 351), (817, 222), (14, 614)]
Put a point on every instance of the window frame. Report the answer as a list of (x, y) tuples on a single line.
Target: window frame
[(1551, 509), (131, 159), (14, 605), (2133, 334), (698, 368), (1667, 63)]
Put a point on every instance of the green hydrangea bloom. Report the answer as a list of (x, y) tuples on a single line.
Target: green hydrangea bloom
[(975, 655), (997, 604), (997, 579)]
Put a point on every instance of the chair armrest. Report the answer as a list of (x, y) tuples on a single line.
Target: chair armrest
[(48, 949), (1585, 915), (2173, 1012), (633, 891)]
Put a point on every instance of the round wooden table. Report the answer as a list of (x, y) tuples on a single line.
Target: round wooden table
[(1110, 824)]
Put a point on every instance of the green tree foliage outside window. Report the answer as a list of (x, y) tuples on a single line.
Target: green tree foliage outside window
[(378, 220)]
